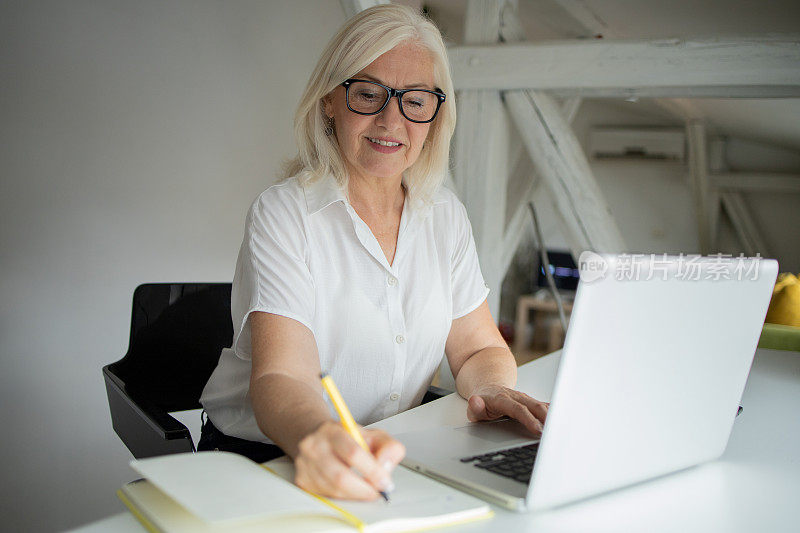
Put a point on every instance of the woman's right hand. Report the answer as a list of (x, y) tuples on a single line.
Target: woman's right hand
[(331, 463)]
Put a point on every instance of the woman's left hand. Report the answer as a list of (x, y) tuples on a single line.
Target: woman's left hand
[(491, 402)]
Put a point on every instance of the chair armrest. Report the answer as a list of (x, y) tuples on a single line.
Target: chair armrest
[(145, 429), (434, 393)]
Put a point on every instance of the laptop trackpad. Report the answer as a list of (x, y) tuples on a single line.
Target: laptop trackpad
[(505, 431)]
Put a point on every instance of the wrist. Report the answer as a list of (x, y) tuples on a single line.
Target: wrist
[(306, 424), (486, 371), (316, 425), (487, 389)]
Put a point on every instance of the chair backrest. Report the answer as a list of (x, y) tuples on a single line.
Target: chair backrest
[(177, 333)]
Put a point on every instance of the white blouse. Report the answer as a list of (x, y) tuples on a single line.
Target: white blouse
[(380, 329)]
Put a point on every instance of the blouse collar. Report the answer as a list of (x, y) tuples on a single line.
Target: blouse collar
[(324, 191)]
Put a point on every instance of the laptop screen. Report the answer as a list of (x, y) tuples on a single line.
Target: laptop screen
[(564, 270)]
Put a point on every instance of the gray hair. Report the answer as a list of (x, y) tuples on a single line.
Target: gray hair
[(364, 38)]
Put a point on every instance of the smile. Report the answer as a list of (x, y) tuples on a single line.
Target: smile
[(383, 143)]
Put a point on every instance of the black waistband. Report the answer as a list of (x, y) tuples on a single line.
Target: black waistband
[(213, 439)]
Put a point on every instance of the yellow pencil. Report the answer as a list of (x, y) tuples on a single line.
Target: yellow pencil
[(344, 415)]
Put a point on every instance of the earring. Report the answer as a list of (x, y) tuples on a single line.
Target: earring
[(329, 127)]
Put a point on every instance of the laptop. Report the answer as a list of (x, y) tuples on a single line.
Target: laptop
[(652, 370)]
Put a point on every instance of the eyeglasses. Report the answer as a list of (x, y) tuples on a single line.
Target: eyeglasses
[(370, 98)]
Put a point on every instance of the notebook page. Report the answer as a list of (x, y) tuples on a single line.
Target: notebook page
[(417, 502), (160, 512), (221, 487)]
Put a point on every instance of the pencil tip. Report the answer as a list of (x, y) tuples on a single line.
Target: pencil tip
[(385, 496)]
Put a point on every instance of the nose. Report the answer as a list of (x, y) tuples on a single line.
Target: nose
[(390, 118)]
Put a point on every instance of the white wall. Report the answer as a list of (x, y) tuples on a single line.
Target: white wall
[(134, 135)]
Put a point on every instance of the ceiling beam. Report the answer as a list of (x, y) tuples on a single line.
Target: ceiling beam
[(559, 160), (717, 162), (699, 182), (744, 225), (520, 219), (562, 165), (482, 21), (681, 108), (581, 13), (757, 182), (667, 68), (570, 106), (481, 153)]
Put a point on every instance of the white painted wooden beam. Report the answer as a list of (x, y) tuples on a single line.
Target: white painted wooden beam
[(481, 157), (351, 7), (698, 181), (559, 160), (747, 67), (516, 226), (717, 162), (481, 142), (757, 182), (751, 239), (681, 108), (521, 176), (482, 22), (522, 184), (570, 107), (564, 169), (732, 201), (510, 27), (593, 24), (523, 179), (481, 152)]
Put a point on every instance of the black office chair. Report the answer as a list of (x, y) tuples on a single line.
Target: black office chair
[(177, 333)]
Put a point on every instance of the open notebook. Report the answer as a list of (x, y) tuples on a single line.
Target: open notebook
[(220, 491)]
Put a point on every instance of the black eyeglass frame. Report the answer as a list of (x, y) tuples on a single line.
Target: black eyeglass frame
[(440, 97)]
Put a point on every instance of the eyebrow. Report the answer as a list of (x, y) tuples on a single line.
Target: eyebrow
[(412, 86)]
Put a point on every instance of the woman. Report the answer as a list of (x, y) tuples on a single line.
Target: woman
[(360, 265)]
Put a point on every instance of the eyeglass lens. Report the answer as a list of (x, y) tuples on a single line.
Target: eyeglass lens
[(366, 97)]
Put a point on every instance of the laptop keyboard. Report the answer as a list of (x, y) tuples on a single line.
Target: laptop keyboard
[(515, 463)]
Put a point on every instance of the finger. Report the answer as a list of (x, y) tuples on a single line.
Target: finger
[(539, 409), (328, 476), (342, 482), (354, 456), (483, 407), (306, 477), (505, 405), (320, 470), (476, 409), (387, 450)]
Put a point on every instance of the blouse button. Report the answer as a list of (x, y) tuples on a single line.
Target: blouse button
[(400, 339), (394, 397), (392, 281)]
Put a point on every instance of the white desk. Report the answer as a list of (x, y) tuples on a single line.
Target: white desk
[(755, 486)]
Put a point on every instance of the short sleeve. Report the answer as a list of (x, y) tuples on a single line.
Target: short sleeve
[(272, 274), (469, 288)]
